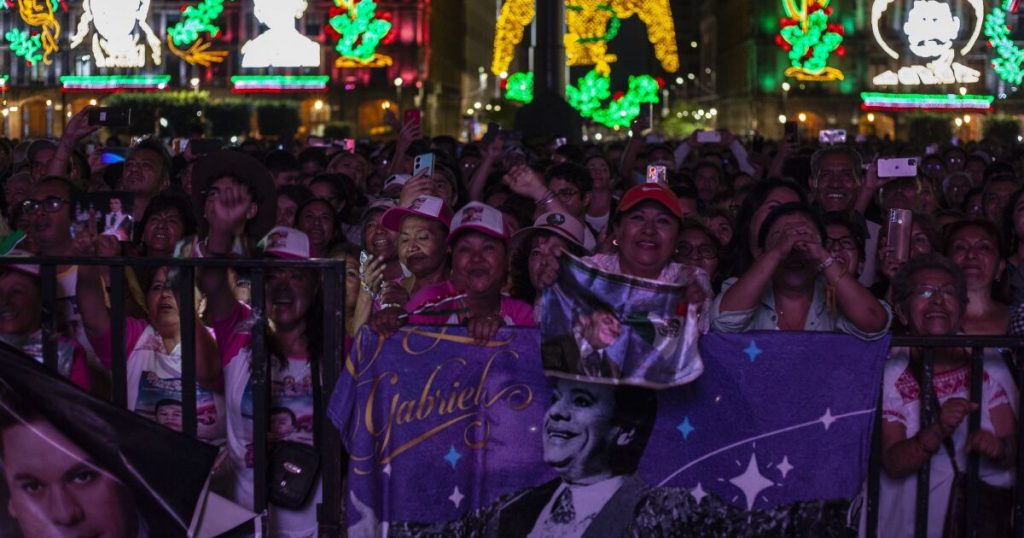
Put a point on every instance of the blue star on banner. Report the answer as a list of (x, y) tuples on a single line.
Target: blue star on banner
[(752, 351), (453, 456), (685, 428)]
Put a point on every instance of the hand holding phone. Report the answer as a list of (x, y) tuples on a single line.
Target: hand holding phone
[(110, 116), (421, 163), (657, 173), (897, 167)]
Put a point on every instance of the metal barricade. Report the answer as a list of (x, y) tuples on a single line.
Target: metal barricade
[(928, 345), (332, 288)]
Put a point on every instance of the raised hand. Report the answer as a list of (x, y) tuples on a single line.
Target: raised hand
[(228, 208), (523, 181), (420, 185), (78, 126)]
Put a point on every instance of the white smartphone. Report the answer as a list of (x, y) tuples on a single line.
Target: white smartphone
[(897, 167)]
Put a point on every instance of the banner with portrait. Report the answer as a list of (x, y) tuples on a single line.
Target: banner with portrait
[(488, 440), (612, 328), (76, 465)]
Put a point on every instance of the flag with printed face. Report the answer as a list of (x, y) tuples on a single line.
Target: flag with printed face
[(612, 328)]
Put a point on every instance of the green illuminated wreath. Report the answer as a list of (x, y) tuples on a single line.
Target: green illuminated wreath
[(1009, 58)]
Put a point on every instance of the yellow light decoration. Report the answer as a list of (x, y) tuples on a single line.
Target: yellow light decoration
[(515, 16), (828, 75), (590, 25), (40, 13), (661, 31)]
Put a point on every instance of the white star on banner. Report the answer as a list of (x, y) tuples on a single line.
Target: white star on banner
[(387, 469), (827, 419), (698, 493), (456, 497), (785, 467), (752, 482)]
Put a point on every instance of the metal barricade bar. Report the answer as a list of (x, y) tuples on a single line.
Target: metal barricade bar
[(332, 271)]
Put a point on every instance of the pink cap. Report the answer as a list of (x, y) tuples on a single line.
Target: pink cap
[(428, 207), (285, 242), (482, 218)]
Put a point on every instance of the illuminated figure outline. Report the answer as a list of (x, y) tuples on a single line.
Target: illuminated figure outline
[(114, 44)]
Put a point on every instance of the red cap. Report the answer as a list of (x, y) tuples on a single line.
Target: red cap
[(655, 193)]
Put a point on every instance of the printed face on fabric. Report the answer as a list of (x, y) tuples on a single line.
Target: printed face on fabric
[(580, 431), (57, 490)]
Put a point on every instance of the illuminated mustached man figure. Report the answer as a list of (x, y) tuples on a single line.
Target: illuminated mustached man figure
[(115, 42), (282, 45), (931, 29)]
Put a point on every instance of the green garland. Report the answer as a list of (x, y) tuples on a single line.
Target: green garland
[(519, 87), (195, 20), (1009, 58), (25, 45), (365, 28)]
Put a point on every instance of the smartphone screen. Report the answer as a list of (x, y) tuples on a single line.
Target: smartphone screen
[(413, 115)]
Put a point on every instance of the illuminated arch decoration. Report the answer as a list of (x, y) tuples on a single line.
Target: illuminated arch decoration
[(115, 42), (191, 38), (38, 45), (1009, 58), (933, 59), (360, 30), (590, 25), (810, 39)]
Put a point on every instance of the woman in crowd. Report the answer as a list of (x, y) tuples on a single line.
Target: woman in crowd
[(294, 344), (479, 243), (167, 220), (924, 238), (153, 347), (698, 246), (844, 240), (381, 269), (931, 295), (789, 285), (535, 252), (289, 198), (601, 210), (317, 219), (974, 246), (21, 320), (763, 197), (422, 234)]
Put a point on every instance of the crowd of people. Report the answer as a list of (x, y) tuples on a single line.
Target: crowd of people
[(791, 235)]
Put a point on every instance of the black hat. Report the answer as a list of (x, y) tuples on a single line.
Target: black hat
[(247, 171)]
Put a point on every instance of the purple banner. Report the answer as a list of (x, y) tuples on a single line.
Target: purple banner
[(452, 437)]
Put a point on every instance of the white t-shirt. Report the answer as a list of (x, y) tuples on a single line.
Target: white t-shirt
[(154, 382), (291, 417), (901, 403)]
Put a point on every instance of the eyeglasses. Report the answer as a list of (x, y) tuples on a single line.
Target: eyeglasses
[(841, 243), (927, 292), (52, 204), (706, 251), (566, 193)]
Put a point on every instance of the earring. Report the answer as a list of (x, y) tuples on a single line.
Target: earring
[(615, 242)]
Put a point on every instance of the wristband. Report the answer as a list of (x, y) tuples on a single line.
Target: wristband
[(826, 264)]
